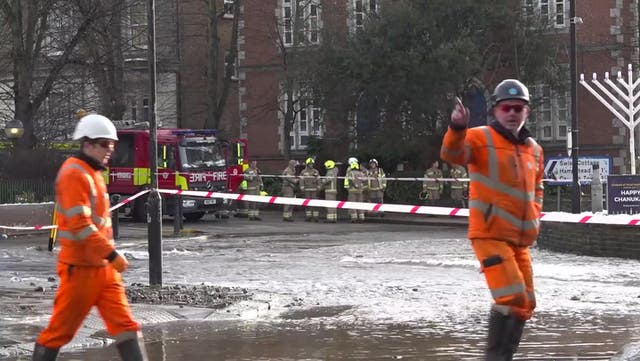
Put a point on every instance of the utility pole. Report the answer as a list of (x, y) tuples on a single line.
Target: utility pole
[(575, 189), (154, 202)]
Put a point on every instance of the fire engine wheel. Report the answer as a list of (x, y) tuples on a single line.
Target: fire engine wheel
[(140, 209), (193, 216)]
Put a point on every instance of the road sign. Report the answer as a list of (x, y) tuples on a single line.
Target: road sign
[(559, 169)]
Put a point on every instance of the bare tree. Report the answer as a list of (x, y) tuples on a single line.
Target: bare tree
[(219, 83), (105, 45), (34, 70)]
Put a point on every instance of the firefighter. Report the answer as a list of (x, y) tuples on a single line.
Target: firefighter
[(459, 188), (506, 169), (310, 182), (243, 211), (376, 183), (289, 181), (354, 183), (432, 189), (254, 186), (88, 265), (330, 186)]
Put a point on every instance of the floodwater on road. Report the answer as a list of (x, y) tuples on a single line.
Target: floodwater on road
[(394, 292)]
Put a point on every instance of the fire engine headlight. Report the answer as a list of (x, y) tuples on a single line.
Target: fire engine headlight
[(188, 203)]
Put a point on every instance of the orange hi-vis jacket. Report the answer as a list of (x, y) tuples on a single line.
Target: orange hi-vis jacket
[(84, 222), (505, 195)]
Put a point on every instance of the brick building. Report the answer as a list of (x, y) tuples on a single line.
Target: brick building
[(182, 44), (607, 41)]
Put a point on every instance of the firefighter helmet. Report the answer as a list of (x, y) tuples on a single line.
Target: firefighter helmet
[(329, 164), (94, 126), (353, 160), (510, 89), (373, 161), (309, 160)]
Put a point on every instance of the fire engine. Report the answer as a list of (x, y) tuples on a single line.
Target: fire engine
[(188, 159)]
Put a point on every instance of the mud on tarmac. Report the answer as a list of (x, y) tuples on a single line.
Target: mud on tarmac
[(193, 296)]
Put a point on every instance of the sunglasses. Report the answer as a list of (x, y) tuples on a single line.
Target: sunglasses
[(106, 144), (508, 107)]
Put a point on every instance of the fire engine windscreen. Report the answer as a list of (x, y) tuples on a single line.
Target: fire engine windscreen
[(200, 154)]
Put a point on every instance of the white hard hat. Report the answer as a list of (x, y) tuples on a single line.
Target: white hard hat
[(353, 160), (94, 126)]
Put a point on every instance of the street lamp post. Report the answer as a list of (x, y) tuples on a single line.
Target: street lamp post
[(575, 189), (154, 202), (14, 129)]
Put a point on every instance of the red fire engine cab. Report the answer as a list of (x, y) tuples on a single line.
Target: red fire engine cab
[(188, 159)]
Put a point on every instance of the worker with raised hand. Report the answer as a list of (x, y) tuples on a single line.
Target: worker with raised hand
[(505, 200)]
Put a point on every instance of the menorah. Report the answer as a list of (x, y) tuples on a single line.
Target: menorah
[(624, 92)]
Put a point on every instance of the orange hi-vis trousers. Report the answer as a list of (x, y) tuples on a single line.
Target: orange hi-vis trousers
[(507, 269), (81, 288)]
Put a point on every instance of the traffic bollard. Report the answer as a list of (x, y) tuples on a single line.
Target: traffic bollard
[(177, 216), (115, 216)]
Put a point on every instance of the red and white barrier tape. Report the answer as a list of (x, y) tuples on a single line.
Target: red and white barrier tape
[(128, 200), (633, 220), (38, 227), (402, 208)]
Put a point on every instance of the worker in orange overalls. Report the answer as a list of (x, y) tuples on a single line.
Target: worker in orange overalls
[(89, 266), (506, 168)]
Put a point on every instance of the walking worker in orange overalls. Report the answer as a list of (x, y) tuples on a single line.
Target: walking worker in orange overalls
[(89, 266), (505, 168)]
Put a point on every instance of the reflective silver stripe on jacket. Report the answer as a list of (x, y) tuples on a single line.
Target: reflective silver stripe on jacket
[(99, 222), (508, 290), (536, 153), (524, 225)]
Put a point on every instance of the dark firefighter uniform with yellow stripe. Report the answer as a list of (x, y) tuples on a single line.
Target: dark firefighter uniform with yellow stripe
[(85, 236), (505, 202), (330, 185), (459, 188)]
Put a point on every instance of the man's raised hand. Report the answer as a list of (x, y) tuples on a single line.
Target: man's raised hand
[(460, 114)]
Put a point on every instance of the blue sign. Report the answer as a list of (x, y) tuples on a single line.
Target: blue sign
[(623, 194), (560, 169)]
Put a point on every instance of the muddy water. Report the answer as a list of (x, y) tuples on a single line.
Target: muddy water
[(549, 337), (388, 294)]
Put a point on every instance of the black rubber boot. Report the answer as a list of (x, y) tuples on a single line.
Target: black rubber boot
[(41, 353), (515, 327), (497, 331), (504, 336), (131, 350)]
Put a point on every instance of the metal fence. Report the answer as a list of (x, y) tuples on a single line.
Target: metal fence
[(26, 190)]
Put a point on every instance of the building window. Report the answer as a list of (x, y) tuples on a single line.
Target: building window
[(301, 23), (551, 12), (228, 9), (361, 9), (559, 14), (549, 114), (146, 115), (308, 120), (138, 25)]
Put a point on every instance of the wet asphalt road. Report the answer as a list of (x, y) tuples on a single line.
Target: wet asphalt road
[(355, 292)]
